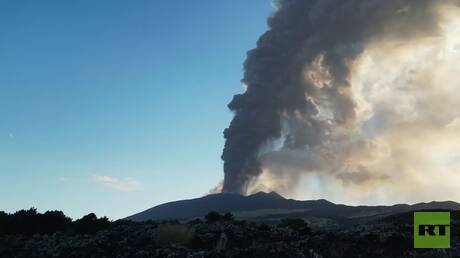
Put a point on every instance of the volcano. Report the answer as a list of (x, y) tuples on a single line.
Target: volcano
[(271, 206)]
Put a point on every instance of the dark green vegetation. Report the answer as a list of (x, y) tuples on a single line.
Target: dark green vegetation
[(30, 222), (30, 234)]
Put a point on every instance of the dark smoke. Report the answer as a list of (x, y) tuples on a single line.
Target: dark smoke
[(300, 32)]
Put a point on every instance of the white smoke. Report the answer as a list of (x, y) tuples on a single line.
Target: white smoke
[(403, 145)]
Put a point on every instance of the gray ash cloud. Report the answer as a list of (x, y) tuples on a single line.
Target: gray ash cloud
[(298, 77)]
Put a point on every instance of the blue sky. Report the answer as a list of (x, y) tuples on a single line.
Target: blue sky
[(113, 107)]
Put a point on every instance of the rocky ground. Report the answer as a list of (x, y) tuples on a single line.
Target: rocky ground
[(389, 237)]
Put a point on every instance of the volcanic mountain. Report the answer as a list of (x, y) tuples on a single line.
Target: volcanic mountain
[(273, 207)]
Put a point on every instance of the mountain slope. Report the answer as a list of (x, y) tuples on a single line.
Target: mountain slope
[(272, 206)]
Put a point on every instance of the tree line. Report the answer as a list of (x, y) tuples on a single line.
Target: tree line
[(30, 222)]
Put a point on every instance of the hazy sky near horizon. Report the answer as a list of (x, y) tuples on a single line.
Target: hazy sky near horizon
[(113, 107)]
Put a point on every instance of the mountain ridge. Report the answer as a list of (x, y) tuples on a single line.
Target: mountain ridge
[(272, 206)]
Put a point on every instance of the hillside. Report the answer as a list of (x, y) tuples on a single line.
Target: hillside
[(272, 206)]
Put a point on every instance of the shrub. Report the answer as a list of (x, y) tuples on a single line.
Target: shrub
[(294, 224), (90, 224), (214, 216), (54, 221), (228, 217), (174, 233)]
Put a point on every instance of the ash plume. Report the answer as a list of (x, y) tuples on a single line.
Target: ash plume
[(316, 105)]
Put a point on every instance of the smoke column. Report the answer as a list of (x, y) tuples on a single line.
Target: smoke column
[(337, 90)]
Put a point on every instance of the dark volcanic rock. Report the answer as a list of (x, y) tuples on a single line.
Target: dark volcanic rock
[(389, 237)]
